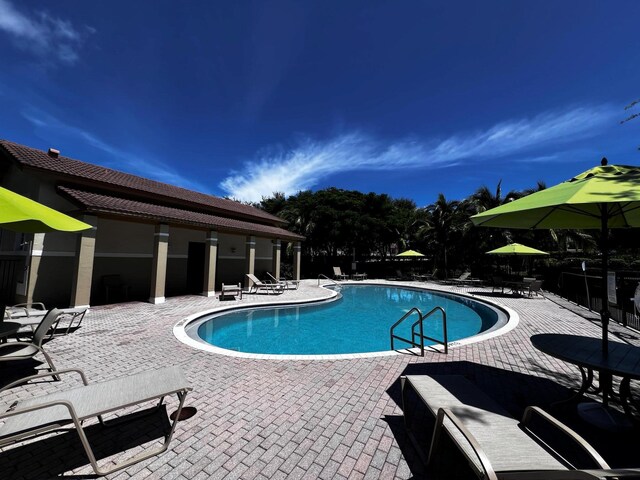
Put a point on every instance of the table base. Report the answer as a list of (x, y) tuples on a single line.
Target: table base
[(604, 417)]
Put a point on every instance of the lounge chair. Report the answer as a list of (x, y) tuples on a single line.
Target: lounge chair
[(425, 277), (286, 284), (14, 351), (38, 415), (257, 285), (495, 444), (338, 275), (20, 310), (73, 315), (463, 279)]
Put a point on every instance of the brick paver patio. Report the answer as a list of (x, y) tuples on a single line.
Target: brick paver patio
[(327, 419)]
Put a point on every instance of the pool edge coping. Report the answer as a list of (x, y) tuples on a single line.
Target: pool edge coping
[(180, 333)]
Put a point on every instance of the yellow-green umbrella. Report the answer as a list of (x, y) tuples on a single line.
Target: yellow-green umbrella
[(21, 214), (410, 253), (604, 197), (516, 249)]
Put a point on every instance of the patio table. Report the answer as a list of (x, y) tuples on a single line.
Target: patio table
[(622, 361), (8, 328), (359, 276), (517, 287)]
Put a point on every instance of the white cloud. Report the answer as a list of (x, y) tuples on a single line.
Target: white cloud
[(42, 34), (310, 161), (147, 167)]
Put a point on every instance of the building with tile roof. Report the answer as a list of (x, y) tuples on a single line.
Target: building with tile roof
[(150, 239)]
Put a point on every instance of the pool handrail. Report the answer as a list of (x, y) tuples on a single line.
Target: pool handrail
[(412, 341), (445, 341), (330, 279)]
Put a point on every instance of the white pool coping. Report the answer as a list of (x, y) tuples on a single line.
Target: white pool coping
[(180, 328)]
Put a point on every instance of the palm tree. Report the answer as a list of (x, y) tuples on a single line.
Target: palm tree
[(442, 220)]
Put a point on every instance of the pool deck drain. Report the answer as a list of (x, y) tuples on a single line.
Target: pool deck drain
[(259, 419)]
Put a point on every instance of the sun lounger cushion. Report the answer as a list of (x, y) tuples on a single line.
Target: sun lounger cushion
[(96, 398), (507, 446)]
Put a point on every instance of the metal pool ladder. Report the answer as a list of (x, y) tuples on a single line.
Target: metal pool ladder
[(420, 334), (331, 280)]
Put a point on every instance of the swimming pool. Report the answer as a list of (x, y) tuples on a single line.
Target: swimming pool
[(357, 322)]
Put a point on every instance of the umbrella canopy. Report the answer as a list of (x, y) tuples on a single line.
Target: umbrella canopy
[(21, 214), (603, 197), (410, 253), (516, 249)]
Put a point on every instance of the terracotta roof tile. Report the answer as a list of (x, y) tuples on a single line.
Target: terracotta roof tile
[(99, 203), (108, 179)]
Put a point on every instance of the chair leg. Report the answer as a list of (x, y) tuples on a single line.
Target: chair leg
[(52, 367), (137, 458)]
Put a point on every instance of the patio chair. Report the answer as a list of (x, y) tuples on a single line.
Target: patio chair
[(497, 282), (14, 351), (257, 285), (71, 407), (535, 287), (338, 275), (286, 284)]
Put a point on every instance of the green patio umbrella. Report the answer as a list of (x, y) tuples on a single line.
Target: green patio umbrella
[(516, 249), (21, 214), (410, 253), (604, 197)]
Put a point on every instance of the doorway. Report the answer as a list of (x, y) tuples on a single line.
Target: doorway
[(195, 267)]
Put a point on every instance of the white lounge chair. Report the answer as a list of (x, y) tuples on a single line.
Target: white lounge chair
[(258, 285), (338, 275), (21, 310), (38, 415)]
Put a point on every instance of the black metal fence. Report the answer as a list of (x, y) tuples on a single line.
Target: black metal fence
[(585, 289)]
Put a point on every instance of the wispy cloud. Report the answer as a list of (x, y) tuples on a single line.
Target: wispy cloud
[(42, 34), (308, 162), (148, 167)]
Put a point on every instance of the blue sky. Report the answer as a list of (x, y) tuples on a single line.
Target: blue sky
[(409, 98)]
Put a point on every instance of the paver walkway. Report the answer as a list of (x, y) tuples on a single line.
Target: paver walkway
[(260, 419)]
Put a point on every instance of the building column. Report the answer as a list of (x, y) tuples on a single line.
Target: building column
[(31, 267), (210, 258), (159, 272), (297, 249), (250, 259), (275, 258), (83, 270)]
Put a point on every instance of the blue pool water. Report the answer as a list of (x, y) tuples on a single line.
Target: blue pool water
[(358, 322)]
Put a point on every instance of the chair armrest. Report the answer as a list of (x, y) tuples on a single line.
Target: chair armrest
[(44, 374), (481, 456), (40, 305), (581, 442)]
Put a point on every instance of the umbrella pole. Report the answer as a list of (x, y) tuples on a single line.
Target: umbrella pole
[(604, 313)]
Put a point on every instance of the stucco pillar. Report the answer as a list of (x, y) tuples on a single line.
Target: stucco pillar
[(275, 258), (210, 257), (32, 265), (297, 252), (83, 269), (250, 259), (159, 272)]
